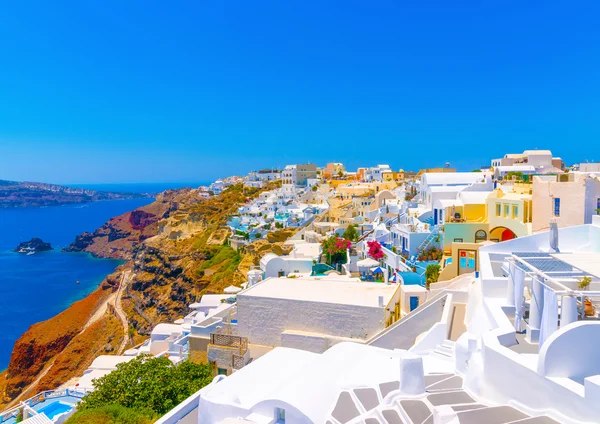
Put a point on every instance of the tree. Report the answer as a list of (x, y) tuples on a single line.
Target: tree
[(375, 250), (335, 249), (518, 175), (147, 382), (351, 233), (113, 414), (432, 273), (476, 170)]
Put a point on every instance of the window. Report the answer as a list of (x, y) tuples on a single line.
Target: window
[(557, 206), (506, 210), (458, 240), (515, 211), (498, 209), (480, 236)]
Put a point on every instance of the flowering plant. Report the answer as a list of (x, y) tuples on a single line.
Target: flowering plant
[(335, 248), (375, 250)]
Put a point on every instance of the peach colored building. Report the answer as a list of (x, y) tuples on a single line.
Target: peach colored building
[(571, 202)]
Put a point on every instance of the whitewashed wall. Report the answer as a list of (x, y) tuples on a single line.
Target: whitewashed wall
[(263, 320)]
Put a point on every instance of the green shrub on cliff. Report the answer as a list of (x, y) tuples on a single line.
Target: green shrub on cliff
[(113, 414), (148, 383)]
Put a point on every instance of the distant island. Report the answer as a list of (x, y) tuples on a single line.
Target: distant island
[(14, 194), (33, 246)]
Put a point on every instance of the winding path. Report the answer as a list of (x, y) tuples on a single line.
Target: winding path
[(125, 279)]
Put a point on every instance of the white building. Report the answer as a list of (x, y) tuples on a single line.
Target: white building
[(265, 175), (515, 344), (446, 185), (375, 173), (589, 167), (298, 175), (539, 159), (314, 313)]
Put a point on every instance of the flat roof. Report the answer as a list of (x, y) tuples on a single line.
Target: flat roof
[(588, 262), (326, 289), (109, 362)]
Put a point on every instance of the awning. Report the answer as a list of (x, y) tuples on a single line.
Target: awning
[(367, 263)]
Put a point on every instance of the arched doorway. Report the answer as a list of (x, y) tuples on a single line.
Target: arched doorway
[(502, 234)]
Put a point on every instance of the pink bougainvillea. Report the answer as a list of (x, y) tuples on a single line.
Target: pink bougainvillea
[(375, 250), (335, 248)]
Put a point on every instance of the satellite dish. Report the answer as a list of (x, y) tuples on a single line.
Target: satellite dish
[(447, 164)]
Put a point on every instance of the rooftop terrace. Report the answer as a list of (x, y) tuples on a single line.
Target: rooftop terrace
[(326, 289)]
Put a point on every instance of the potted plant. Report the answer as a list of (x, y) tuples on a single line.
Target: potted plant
[(588, 309)]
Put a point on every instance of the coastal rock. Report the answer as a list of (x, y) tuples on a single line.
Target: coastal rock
[(33, 245)]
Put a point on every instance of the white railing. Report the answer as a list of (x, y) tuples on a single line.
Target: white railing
[(38, 398)]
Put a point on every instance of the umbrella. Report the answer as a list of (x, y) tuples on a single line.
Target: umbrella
[(367, 263), (377, 270), (393, 279), (232, 290), (554, 235)]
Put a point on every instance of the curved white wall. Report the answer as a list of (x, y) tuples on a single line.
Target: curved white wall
[(572, 352)]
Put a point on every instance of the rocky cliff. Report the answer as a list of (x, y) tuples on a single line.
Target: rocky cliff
[(120, 235), (170, 270)]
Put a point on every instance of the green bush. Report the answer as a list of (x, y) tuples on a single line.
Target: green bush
[(351, 233), (432, 273), (148, 383), (113, 414)]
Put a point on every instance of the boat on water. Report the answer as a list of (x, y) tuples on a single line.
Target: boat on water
[(31, 252)]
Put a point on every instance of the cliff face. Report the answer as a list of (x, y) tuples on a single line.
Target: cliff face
[(188, 258), (120, 235), (40, 345), (169, 271)]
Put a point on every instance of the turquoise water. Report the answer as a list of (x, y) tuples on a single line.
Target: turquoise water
[(36, 287), (55, 408), (416, 277)]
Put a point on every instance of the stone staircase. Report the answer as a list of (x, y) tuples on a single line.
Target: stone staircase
[(444, 399), (445, 351)]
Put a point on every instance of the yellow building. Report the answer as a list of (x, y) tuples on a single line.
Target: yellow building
[(509, 215)]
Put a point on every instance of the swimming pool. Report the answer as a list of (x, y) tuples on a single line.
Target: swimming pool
[(55, 409), (419, 276)]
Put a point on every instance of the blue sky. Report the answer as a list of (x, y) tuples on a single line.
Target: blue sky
[(143, 91)]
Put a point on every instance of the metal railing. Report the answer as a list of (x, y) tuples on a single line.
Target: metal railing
[(38, 398), (230, 341), (238, 362)]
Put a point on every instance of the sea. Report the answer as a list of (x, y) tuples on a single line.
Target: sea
[(34, 288)]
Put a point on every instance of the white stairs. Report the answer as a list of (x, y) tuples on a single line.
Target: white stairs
[(445, 351)]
